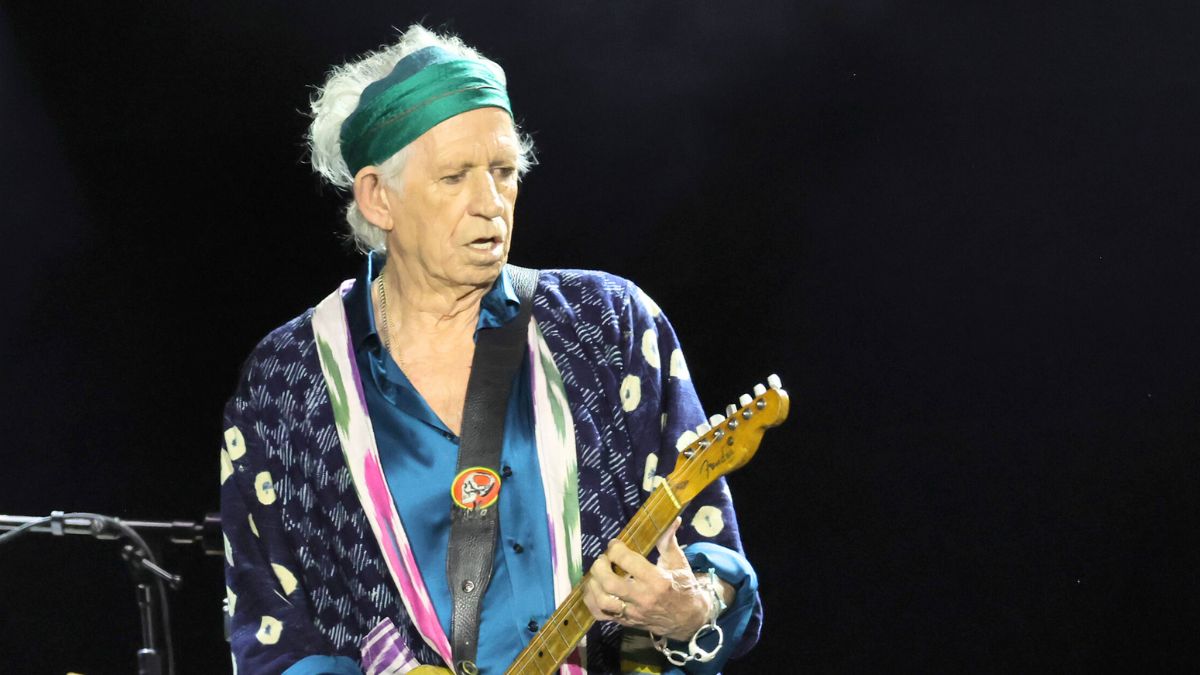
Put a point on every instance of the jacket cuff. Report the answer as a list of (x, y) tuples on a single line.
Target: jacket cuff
[(733, 568)]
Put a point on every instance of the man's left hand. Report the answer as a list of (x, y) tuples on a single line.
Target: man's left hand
[(663, 598)]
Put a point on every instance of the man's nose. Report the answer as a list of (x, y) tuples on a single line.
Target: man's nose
[(485, 198)]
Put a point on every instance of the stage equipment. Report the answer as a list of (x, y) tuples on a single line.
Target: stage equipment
[(148, 575)]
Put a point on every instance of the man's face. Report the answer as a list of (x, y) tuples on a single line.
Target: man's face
[(454, 211)]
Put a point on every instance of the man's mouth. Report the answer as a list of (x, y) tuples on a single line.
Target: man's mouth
[(484, 243)]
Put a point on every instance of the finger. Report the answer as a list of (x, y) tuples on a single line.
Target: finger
[(607, 580), (602, 569), (590, 599), (668, 533), (670, 554), (598, 600), (617, 609), (629, 560), (603, 605), (597, 611)]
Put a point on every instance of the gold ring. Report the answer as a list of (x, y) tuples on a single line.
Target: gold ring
[(619, 614)]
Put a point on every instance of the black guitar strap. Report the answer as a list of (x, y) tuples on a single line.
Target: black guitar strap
[(474, 517)]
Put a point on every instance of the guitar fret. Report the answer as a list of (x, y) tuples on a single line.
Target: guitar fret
[(558, 638), (650, 517), (582, 617), (558, 628), (635, 536), (645, 537), (538, 658)]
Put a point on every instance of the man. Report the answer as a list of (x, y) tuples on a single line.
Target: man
[(351, 491)]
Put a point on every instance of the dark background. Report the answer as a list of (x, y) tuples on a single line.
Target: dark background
[(965, 237)]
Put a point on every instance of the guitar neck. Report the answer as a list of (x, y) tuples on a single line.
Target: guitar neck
[(571, 621), (723, 444)]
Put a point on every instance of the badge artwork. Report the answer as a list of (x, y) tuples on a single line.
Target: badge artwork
[(475, 488)]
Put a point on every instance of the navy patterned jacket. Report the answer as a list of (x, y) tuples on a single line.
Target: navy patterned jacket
[(299, 550)]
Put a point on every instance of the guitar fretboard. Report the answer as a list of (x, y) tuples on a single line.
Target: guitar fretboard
[(567, 626)]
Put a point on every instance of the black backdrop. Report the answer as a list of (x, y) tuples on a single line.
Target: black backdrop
[(965, 237)]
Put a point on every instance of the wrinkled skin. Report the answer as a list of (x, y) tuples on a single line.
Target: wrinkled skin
[(663, 598)]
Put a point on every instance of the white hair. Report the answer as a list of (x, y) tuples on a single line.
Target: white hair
[(337, 98)]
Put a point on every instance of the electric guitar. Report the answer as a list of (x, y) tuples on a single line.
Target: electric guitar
[(723, 443)]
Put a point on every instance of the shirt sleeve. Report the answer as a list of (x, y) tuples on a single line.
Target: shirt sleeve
[(733, 568), (271, 627), (666, 410)]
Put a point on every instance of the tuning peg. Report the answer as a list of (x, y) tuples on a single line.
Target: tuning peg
[(759, 390), (685, 439), (716, 419), (730, 410), (773, 381), (703, 428), (745, 400)]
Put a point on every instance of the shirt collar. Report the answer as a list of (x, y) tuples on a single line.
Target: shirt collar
[(499, 306)]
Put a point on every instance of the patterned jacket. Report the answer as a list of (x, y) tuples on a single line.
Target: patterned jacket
[(304, 571)]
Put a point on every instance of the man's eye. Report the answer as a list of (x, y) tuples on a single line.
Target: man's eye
[(504, 172), (454, 178)]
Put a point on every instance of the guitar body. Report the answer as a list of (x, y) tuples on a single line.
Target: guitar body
[(723, 445)]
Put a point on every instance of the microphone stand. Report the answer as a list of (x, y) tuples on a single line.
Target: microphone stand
[(205, 532), (143, 566)]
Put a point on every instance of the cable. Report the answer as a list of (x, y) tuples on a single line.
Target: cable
[(13, 534), (133, 536), (166, 627), (99, 523)]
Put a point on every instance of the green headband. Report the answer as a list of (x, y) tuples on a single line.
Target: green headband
[(425, 88)]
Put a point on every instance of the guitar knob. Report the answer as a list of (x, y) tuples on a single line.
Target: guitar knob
[(774, 382), (759, 390), (730, 410), (745, 400), (703, 428), (716, 419)]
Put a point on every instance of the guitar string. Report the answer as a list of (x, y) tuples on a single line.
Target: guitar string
[(631, 532), (527, 657), (539, 642)]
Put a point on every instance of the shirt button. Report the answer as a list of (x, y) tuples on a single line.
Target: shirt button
[(533, 627), (518, 548), (506, 471)]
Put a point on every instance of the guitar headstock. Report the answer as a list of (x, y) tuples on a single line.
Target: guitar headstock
[(726, 442)]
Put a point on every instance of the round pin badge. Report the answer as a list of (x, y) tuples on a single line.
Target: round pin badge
[(475, 488)]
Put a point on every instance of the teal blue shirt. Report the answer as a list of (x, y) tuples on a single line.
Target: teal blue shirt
[(419, 456)]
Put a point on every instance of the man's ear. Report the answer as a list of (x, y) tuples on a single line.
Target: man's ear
[(372, 197)]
